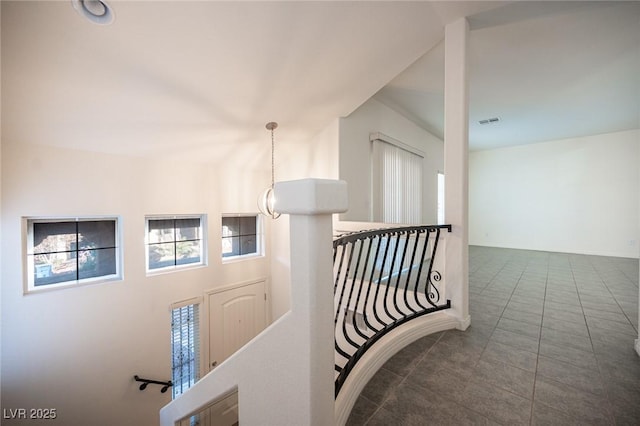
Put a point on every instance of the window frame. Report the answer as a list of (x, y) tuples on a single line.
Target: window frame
[(259, 235), (175, 267), (29, 255)]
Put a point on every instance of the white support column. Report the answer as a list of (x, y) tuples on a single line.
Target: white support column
[(310, 202), (456, 167), (637, 342)]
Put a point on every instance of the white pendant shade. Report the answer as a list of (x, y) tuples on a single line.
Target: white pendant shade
[(267, 202)]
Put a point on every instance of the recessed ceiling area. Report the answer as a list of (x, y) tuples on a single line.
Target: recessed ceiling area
[(548, 70), (196, 80)]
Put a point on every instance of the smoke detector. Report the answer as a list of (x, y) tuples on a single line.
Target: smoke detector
[(96, 11)]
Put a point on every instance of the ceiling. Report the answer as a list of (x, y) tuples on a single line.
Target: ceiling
[(196, 80), (547, 70)]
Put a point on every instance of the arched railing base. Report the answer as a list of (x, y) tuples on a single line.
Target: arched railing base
[(383, 350)]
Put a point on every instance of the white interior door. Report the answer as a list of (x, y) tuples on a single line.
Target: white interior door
[(236, 316)]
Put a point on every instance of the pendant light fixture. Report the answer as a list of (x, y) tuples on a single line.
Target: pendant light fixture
[(267, 201)]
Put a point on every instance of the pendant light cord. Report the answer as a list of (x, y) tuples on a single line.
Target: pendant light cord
[(267, 200), (273, 166), (272, 125)]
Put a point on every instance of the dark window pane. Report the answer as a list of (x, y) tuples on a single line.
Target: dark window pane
[(96, 263), (161, 255), (187, 252), (248, 225), (230, 246), (187, 229), (54, 268), (54, 237), (230, 226), (68, 251), (161, 231), (247, 244), (97, 234)]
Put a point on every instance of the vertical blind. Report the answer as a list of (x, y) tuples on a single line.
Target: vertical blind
[(397, 184), (185, 346)]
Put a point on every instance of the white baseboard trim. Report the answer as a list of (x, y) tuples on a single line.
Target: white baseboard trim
[(465, 323), (384, 349)]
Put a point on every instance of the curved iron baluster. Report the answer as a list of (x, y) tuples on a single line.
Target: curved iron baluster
[(366, 297), (431, 296), (348, 304), (381, 311)]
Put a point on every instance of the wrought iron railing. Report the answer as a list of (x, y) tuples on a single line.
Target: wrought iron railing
[(383, 279)]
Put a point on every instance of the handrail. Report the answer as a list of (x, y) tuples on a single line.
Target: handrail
[(383, 279), (360, 235), (145, 382)]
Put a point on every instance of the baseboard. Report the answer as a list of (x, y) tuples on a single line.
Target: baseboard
[(464, 324)]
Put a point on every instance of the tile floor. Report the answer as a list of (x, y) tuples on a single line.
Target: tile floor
[(551, 343)]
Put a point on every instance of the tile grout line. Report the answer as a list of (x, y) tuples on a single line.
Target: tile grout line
[(404, 378), (612, 295), (535, 374), (468, 382), (597, 358)]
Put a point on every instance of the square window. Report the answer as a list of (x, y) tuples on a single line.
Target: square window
[(175, 242), (65, 252), (241, 236)]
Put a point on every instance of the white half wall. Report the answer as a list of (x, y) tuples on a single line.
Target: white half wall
[(574, 195), (355, 157)]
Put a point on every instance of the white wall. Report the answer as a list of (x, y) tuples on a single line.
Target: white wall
[(77, 349), (355, 156), (574, 195)]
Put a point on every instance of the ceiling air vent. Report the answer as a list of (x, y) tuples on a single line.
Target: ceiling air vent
[(489, 120)]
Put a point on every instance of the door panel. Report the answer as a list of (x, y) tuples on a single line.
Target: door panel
[(235, 317)]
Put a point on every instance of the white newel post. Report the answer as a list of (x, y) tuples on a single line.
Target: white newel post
[(456, 167), (310, 204)]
